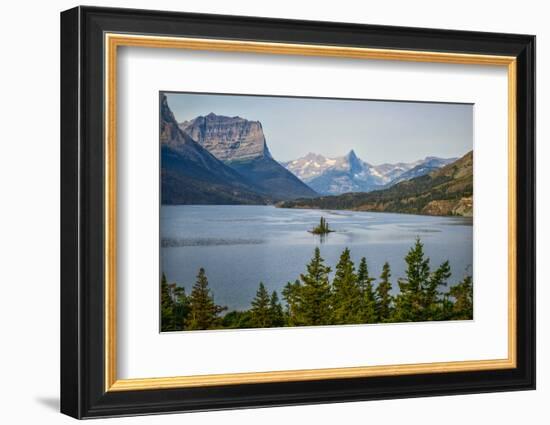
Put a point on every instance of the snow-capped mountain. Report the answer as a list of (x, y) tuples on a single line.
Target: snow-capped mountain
[(334, 176), (425, 166)]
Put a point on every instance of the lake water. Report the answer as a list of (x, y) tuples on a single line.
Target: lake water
[(239, 246)]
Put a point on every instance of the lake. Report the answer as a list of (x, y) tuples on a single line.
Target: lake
[(241, 245)]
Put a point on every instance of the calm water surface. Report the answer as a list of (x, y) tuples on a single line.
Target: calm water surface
[(239, 246)]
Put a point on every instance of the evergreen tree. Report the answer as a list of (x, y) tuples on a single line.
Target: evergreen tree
[(167, 317), (446, 307), (277, 317), (174, 306), (432, 302), (463, 294), (181, 306), (237, 320), (409, 302), (346, 296), (292, 295), (260, 312), (315, 293), (322, 228), (203, 312), (367, 298), (383, 295)]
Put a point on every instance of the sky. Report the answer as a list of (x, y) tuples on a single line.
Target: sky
[(378, 131)]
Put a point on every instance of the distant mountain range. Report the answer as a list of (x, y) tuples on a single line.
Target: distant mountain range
[(216, 159), (335, 176), (443, 191)]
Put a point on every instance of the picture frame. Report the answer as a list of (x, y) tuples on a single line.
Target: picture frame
[(90, 40)]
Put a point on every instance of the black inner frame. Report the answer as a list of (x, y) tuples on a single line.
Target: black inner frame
[(82, 212)]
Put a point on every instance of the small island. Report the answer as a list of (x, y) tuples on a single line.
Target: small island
[(322, 228)]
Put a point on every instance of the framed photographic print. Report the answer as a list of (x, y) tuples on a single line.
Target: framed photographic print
[(261, 212)]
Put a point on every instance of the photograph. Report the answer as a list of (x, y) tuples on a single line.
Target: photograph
[(284, 210), (280, 211)]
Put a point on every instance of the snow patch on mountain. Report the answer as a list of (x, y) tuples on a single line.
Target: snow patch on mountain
[(349, 173)]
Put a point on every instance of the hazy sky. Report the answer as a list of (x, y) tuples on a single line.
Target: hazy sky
[(378, 131)]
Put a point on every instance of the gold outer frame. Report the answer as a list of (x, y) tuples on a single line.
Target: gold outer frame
[(113, 41)]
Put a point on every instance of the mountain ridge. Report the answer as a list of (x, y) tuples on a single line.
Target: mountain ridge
[(192, 175), (445, 191), (241, 145), (349, 173)]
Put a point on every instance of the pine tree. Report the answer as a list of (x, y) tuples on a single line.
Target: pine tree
[(463, 294), (237, 320), (203, 312), (383, 295), (315, 293), (181, 306), (322, 228), (167, 317), (292, 295), (276, 311), (260, 312), (346, 296), (432, 302), (409, 302), (368, 301)]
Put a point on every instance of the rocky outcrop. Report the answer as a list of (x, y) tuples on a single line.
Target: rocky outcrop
[(241, 145), (228, 138), (462, 207), (191, 175)]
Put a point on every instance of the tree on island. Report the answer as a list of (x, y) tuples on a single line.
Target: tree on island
[(322, 228), (203, 311)]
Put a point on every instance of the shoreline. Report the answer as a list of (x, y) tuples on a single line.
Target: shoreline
[(470, 217)]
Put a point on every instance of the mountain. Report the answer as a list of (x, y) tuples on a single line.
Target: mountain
[(241, 145), (348, 174), (191, 175), (444, 191), (425, 166), (334, 176), (228, 138)]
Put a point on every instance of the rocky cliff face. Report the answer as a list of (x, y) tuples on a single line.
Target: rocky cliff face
[(228, 138), (191, 175), (241, 145)]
